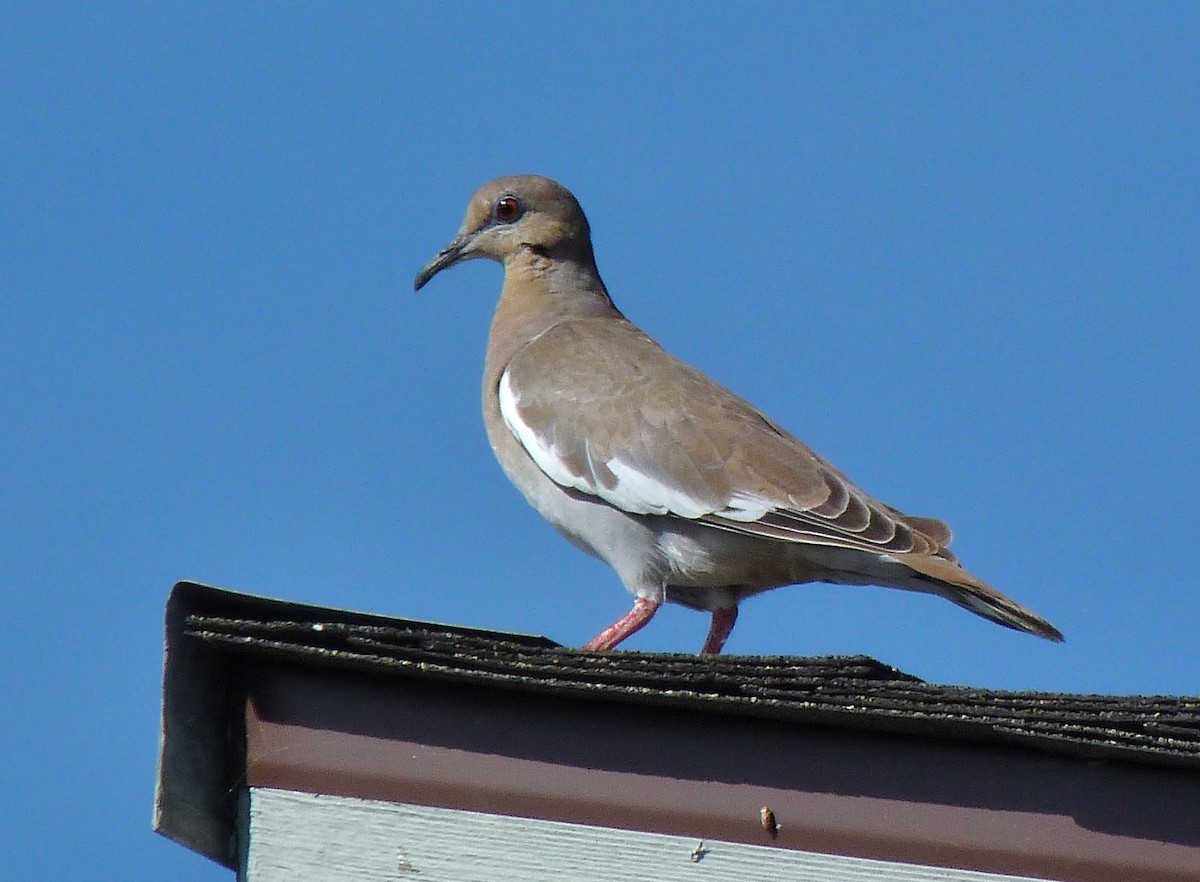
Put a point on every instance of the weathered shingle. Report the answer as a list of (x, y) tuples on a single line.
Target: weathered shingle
[(852, 692)]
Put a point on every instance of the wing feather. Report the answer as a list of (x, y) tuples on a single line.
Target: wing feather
[(602, 409)]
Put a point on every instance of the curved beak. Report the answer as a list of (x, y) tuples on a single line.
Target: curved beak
[(448, 256)]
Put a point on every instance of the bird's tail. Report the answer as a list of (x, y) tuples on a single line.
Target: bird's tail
[(947, 578)]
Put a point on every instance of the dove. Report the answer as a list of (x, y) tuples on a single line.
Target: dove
[(691, 494)]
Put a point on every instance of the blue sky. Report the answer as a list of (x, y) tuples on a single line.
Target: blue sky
[(956, 248)]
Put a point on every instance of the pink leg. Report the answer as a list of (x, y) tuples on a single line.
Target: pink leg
[(722, 624), (632, 622)]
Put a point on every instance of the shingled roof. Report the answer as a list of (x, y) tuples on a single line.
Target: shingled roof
[(854, 692)]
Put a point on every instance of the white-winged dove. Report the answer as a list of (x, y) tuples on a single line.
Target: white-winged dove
[(691, 494)]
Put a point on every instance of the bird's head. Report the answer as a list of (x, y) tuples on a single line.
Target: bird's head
[(514, 214)]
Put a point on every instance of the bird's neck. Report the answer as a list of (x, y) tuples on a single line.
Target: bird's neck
[(539, 293)]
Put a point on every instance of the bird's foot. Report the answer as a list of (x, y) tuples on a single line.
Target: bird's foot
[(722, 624), (632, 622)]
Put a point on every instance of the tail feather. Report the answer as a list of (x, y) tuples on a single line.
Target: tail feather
[(954, 583)]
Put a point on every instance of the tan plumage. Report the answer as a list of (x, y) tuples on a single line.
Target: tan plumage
[(688, 491)]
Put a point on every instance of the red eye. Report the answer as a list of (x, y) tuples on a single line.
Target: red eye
[(508, 209)]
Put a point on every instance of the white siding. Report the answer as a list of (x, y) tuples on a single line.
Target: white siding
[(301, 836)]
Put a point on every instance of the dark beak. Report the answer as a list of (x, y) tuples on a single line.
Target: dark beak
[(448, 256)]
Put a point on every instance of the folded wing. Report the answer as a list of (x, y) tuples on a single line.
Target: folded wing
[(601, 408)]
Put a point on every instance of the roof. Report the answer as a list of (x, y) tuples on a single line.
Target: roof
[(846, 691), (211, 632)]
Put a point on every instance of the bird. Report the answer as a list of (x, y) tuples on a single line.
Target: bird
[(690, 493)]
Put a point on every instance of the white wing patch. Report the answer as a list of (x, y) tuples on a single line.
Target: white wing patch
[(634, 491), (639, 493), (546, 458), (746, 507)]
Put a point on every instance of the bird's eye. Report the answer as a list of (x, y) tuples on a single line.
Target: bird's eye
[(508, 209)]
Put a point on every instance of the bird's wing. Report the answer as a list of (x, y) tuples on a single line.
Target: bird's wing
[(603, 409)]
